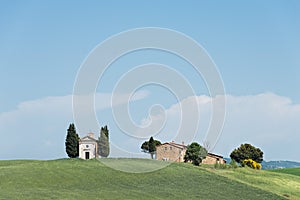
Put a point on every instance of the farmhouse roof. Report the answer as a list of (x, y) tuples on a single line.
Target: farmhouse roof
[(214, 155), (181, 146)]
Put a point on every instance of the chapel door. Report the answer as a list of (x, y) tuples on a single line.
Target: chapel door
[(87, 155)]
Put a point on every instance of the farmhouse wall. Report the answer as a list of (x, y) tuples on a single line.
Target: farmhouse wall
[(213, 159), (170, 152)]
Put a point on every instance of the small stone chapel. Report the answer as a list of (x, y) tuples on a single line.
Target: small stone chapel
[(88, 147)]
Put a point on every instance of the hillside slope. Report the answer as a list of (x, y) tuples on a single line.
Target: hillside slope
[(282, 184), (78, 179)]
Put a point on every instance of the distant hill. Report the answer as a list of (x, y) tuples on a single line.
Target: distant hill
[(275, 164), (279, 164), (91, 179), (227, 160)]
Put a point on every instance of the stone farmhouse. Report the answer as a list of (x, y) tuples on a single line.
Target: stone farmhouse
[(171, 151), (88, 147), (213, 159)]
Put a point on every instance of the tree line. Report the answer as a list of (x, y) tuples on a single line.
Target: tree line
[(245, 155)]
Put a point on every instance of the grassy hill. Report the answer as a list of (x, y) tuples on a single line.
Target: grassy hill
[(284, 184), (79, 179)]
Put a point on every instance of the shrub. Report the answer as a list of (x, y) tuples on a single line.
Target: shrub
[(251, 163), (221, 166), (233, 164)]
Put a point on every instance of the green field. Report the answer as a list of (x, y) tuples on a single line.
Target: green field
[(79, 179), (292, 171)]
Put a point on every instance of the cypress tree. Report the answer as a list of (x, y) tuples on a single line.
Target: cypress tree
[(72, 142), (103, 142)]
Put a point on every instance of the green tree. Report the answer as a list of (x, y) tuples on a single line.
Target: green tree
[(72, 142), (150, 146), (195, 153), (247, 151), (103, 142)]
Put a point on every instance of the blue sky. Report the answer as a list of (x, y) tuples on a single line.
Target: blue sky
[(255, 45)]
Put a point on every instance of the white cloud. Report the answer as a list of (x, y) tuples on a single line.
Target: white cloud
[(266, 120), (37, 129)]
